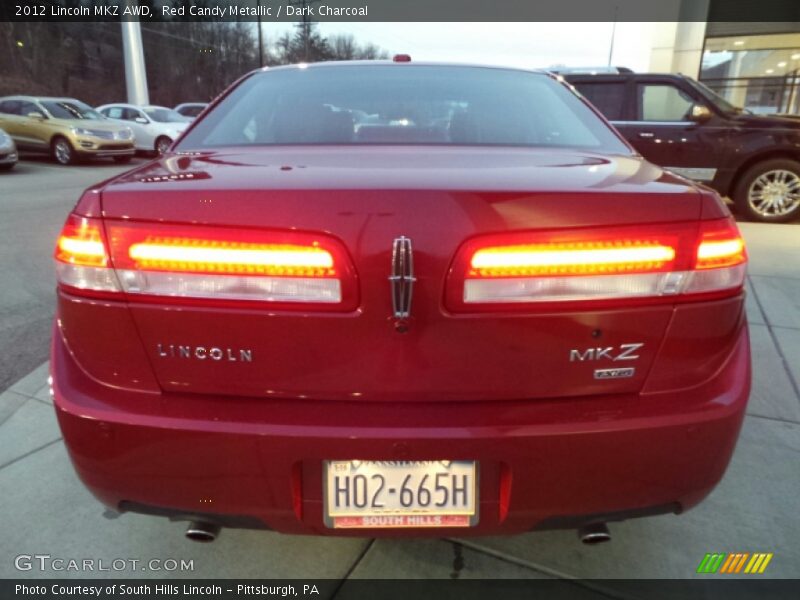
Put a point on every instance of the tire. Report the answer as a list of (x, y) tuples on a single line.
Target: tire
[(63, 152), (769, 191), (162, 144), (7, 167), (122, 160)]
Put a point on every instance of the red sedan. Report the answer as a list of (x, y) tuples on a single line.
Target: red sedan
[(400, 299)]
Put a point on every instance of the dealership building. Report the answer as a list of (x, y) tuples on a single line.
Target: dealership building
[(751, 64)]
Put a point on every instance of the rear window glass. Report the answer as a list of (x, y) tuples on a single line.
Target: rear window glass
[(607, 97), (191, 111), (164, 115), (402, 105)]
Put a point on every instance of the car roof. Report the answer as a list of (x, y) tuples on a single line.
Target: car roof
[(334, 64), (40, 98), (571, 76), (136, 106)]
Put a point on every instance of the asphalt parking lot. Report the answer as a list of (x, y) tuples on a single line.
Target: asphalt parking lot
[(35, 197), (47, 511)]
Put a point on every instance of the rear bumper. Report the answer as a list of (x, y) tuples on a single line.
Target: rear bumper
[(258, 463)]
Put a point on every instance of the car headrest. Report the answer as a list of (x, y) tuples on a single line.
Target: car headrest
[(313, 124), (495, 126)]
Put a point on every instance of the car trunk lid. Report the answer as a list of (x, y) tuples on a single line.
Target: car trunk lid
[(367, 198)]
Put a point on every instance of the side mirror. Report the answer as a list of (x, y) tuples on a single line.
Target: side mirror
[(700, 113), (141, 120), (36, 115)]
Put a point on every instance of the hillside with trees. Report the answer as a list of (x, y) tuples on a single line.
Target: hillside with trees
[(186, 61)]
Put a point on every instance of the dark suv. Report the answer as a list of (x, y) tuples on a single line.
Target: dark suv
[(682, 125)]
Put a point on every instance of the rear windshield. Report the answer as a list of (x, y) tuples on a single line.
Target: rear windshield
[(192, 110), (390, 104), (165, 115)]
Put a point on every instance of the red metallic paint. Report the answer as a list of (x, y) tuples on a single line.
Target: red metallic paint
[(538, 459), (248, 439)]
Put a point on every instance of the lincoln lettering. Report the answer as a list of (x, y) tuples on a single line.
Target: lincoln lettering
[(213, 353)]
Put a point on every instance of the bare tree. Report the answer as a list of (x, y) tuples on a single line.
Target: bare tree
[(371, 52), (343, 46), (185, 60)]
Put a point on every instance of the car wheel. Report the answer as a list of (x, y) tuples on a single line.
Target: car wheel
[(122, 160), (7, 167), (63, 151), (162, 145), (770, 191)]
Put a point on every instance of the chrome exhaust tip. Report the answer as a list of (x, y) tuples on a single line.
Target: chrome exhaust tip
[(199, 531), (595, 533)]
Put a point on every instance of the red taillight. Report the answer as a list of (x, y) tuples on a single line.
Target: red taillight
[(720, 259), (81, 243), (151, 261), (194, 255), (82, 259), (720, 245), (602, 257), (607, 265)]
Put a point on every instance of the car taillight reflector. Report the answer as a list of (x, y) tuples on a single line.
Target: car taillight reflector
[(720, 245), (572, 258), (649, 262), (82, 257), (232, 287), (559, 289), (153, 261), (721, 258)]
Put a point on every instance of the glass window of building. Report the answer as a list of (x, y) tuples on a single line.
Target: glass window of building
[(758, 72)]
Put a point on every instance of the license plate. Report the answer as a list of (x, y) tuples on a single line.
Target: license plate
[(400, 494)]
